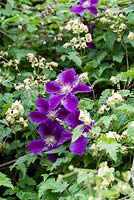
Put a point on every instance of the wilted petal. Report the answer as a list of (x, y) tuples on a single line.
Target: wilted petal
[(55, 100), (92, 10), (78, 9), (71, 102), (66, 136), (36, 146), (37, 117), (52, 87), (81, 87), (79, 146), (67, 77), (42, 105)]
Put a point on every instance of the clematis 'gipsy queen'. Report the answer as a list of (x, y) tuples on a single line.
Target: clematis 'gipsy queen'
[(65, 88), (85, 5)]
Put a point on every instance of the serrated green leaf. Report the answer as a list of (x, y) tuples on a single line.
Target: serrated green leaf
[(86, 104), (110, 148), (118, 57), (5, 181), (76, 59), (77, 132)]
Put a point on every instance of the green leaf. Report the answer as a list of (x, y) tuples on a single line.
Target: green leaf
[(76, 59), (118, 57), (51, 184), (5, 181), (86, 104), (111, 148), (77, 132)]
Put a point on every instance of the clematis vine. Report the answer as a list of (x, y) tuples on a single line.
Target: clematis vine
[(85, 5), (64, 89), (61, 107)]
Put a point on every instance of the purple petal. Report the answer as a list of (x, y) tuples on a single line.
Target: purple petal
[(73, 119), (78, 9), (52, 87), (81, 87), (82, 1), (92, 9), (71, 102), (63, 114), (36, 146), (91, 45), (37, 117), (66, 136), (42, 105), (68, 77), (55, 100), (79, 146), (94, 2), (52, 157)]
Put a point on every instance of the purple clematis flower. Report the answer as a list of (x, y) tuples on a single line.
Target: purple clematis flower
[(47, 109), (65, 89), (85, 5), (52, 136)]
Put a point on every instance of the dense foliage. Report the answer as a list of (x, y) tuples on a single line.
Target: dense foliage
[(40, 40)]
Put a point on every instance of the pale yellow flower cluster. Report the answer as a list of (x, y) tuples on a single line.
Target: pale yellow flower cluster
[(51, 65), (85, 117), (16, 111), (83, 76), (79, 41), (115, 98), (131, 35), (40, 61), (106, 174), (26, 85)]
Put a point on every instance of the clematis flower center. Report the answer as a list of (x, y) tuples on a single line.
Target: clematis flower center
[(50, 140), (66, 88), (86, 4), (52, 114)]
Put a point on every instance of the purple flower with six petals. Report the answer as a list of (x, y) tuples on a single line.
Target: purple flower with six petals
[(65, 89), (85, 5)]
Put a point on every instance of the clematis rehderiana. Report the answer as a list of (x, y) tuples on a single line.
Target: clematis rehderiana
[(85, 5)]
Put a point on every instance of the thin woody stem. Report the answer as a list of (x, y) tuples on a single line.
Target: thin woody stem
[(8, 163)]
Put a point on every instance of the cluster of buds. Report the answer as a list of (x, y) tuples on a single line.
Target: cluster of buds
[(16, 110), (40, 61), (51, 65), (9, 63), (116, 136), (76, 26), (79, 41), (95, 148), (131, 35), (115, 98), (26, 85)]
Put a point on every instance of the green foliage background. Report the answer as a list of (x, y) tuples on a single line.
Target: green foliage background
[(32, 26)]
